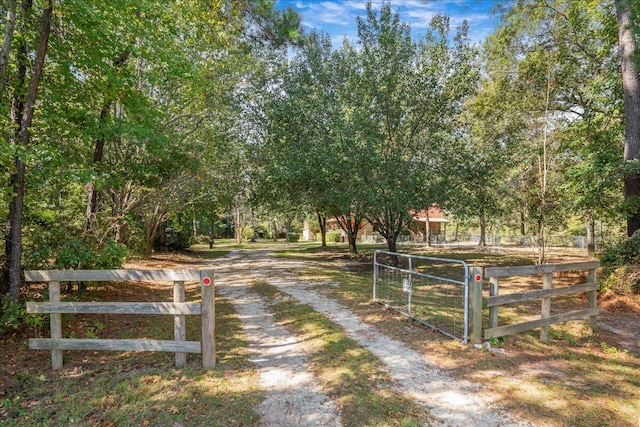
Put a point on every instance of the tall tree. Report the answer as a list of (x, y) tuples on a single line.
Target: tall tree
[(556, 57), (627, 13), (22, 112), (413, 94)]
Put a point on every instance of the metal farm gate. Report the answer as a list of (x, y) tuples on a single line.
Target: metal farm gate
[(432, 291)]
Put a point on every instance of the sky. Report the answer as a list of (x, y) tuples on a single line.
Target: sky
[(338, 17)]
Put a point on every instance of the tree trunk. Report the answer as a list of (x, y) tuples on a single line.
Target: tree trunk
[(9, 25), (483, 229), (98, 153), (522, 228), (591, 235), (392, 246), (92, 191), (212, 231), (322, 220), (427, 229), (352, 243), (631, 86), (237, 226), (17, 112), (22, 138), (194, 224)]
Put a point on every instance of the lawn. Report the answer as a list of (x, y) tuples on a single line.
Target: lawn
[(580, 378)]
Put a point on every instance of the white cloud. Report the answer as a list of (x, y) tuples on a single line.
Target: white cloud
[(338, 17)]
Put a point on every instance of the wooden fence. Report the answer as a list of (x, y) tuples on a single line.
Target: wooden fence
[(178, 308), (545, 295)]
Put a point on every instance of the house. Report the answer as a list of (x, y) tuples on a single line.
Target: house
[(430, 222), (431, 219)]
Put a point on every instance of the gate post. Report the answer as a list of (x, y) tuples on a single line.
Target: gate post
[(475, 304), (208, 319)]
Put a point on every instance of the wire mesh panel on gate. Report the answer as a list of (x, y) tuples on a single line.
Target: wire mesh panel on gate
[(430, 290)]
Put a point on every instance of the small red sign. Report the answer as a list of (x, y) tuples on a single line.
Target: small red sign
[(478, 277), (206, 280)]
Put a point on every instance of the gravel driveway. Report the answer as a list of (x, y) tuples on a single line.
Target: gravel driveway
[(293, 396)]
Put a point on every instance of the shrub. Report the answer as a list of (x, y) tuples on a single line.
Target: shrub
[(78, 255), (74, 254), (14, 316), (112, 255), (623, 252), (334, 236), (621, 280), (293, 237), (249, 233)]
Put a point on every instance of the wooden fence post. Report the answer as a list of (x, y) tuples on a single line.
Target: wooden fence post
[(475, 304), (56, 325), (208, 319), (494, 290), (546, 306), (179, 323)]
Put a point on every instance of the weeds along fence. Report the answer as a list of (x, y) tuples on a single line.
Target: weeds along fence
[(545, 295), (432, 291), (178, 308)]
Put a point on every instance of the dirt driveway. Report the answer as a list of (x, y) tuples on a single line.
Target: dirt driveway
[(294, 399)]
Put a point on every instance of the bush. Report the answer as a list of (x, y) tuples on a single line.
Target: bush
[(623, 252), (293, 237), (14, 316), (112, 255), (78, 255), (334, 236), (74, 254), (621, 280), (249, 233)]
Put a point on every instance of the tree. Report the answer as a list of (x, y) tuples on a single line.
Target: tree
[(412, 96), (22, 112), (133, 91), (556, 58), (627, 15)]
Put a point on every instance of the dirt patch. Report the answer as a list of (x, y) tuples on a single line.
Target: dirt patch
[(581, 378)]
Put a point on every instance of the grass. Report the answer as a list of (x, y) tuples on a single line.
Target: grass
[(580, 378), (142, 389), (348, 372)]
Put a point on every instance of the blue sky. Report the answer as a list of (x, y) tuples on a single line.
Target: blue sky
[(338, 17)]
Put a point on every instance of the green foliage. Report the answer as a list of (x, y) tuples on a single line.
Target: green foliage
[(607, 349), (334, 236), (76, 254), (14, 316), (621, 280), (95, 330), (248, 233), (111, 255), (293, 237), (623, 252)]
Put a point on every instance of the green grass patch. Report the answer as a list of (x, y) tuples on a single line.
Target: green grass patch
[(348, 372), (579, 378), (143, 388)]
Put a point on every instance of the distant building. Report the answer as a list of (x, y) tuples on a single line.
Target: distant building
[(432, 219)]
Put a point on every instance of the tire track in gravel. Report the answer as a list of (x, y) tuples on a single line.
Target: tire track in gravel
[(455, 403), (293, 396)]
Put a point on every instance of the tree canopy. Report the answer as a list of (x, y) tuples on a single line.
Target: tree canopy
[(121, 120)]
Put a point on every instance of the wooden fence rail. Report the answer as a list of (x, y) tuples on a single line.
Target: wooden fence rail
[(545, 295), (178, 308)]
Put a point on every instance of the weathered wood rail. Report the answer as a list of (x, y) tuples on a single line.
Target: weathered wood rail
[(494, 301), (178, 308)]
